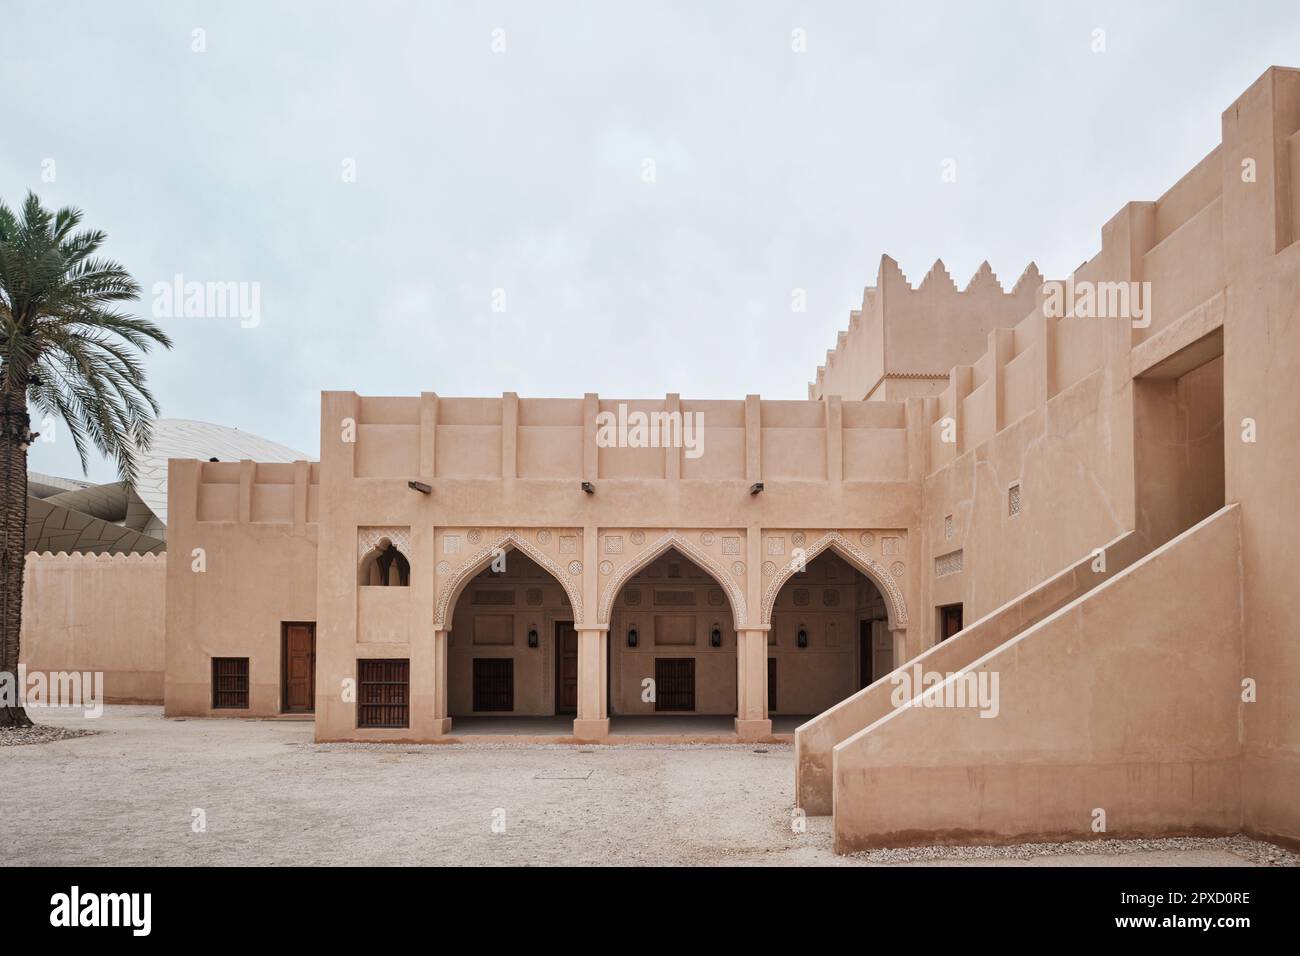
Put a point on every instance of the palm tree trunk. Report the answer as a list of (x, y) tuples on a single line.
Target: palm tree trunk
[(15, 436)]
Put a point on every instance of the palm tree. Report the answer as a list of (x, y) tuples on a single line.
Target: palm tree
[(67, 350)]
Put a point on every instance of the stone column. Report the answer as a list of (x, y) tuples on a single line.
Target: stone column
[(592, 722), (752, 721), (441, 722), (902, 653)]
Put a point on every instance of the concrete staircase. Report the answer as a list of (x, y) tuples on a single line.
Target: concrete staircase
[(816, 739), (1119, 699)]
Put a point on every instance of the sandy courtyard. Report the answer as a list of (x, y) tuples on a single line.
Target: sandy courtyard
[(132, 793)]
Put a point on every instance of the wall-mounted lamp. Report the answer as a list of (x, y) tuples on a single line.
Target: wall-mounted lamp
[(532, 637), (715, 636), (631, 637), (803, 638), (756, 487), (420, 486), (588, 487)]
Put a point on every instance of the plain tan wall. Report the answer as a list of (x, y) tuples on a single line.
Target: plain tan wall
[(92, 612), (1262, 338), (257, 576)]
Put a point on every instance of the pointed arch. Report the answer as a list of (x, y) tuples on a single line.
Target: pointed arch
[(381, 564), (449, 593), (875, 571), (669, 541)]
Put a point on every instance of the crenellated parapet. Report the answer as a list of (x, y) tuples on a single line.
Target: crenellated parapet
[(904, 338), (78, 558)]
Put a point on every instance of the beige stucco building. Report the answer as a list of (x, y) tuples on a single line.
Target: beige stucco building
[(1079, 489)]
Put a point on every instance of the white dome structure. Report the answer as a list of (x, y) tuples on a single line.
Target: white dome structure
[(76, 516)]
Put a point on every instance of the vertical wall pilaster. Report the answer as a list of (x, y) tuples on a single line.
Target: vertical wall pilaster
[(672, 451), (425, 720), (428, 434), (509, 434), (301, 487), (336, 574), (246, 472), (919, 416), (1257, 211), (834, 409), (753, 439), (340, 414), (590, 450), (1002, 346), (960, 378), (1046, 358)]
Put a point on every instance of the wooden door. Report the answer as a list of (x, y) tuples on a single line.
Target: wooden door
[(298, 665), (494, 684), (566, 668), (950, 621), (674, 683)]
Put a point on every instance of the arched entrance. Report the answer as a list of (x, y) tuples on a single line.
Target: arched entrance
[(672, 653), (511, 651), (830, 635)]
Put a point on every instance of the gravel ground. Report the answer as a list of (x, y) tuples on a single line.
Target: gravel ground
[(38, 734), (137, 791)]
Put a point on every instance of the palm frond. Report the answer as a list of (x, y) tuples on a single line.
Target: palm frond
[(63, 344)]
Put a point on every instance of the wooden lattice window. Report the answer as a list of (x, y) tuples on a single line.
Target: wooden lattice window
[(383, 693), (230, 683), (674, 683), (494, 684)]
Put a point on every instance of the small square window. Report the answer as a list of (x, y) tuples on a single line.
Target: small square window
[(230, 683), (1013, 500)]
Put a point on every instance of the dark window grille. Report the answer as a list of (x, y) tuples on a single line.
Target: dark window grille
[(494, 684), (230, 683), (384, 693), (674, 683)]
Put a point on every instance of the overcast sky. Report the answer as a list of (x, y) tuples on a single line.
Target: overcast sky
[(525, 170)]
